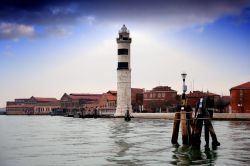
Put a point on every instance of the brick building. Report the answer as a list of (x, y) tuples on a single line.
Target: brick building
[(137, 99), (32, 106), (44, 106), (76, 102), (159, 99), (240, 98), (194, 97), (19, 109), (107, 102)]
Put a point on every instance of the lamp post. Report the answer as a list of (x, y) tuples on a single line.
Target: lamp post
[(184, 115), (181, 118), (184, 88)]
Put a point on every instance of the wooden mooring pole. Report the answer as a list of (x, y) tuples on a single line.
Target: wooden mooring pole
[(176, 126), (182, 117), (191, 128), (184, 127), (196, 133)]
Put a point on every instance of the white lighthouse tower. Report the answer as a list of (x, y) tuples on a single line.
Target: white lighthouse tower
[(123, 73)]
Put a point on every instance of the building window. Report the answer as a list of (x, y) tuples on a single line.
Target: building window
[(159, 95), (154, 95), (145, 95), (163, 94), (122, 65), (122, 51), (150, 95)]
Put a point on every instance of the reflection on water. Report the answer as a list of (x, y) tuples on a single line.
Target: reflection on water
[(121, 132), (59, 141), (185, 155)]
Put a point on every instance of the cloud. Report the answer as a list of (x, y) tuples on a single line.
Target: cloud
[(160, 14), (13, 30), (58, 31), (200, 29)]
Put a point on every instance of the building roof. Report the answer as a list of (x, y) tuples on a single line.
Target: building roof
[(211, 94), (245, 85), (137, 90), (44, 99), (84, 96), (113, 92), (21, 99), (161, 89), (11, 103), (198, 94)]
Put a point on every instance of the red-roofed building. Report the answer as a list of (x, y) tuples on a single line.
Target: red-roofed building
[(41, 100), (32, 106), (44, 105), (20, 109), (107, 103), (75, 102), (159, 99), (240, 98), (194, 97)]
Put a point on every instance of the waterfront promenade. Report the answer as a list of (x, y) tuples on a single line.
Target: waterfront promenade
[(170, 116), (216, 116)]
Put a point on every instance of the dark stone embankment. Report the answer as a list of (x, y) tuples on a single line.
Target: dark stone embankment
[(216, 116)]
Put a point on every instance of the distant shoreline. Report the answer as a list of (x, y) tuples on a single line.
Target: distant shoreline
[(3, 109), (216, 116), (170, 116)]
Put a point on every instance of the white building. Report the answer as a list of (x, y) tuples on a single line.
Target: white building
[(123, 73)]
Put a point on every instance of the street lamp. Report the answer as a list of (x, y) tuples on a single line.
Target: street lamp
[(183, 75), (184, 88)]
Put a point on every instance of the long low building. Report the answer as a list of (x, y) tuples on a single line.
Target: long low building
[(32, 106), (20, 109)]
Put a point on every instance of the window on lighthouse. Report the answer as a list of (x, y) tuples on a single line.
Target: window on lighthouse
[(122, 51)]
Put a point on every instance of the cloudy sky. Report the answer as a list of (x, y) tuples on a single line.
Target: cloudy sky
[(48, 47)]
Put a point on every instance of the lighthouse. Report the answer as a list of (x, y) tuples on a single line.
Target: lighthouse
[(123, 73)]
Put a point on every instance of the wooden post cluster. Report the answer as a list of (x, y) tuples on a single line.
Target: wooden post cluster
[(191, 128)]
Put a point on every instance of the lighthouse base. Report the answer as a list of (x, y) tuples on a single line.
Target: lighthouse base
[(121, 111)]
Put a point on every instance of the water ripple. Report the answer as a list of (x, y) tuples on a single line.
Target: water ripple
[(60, 141)]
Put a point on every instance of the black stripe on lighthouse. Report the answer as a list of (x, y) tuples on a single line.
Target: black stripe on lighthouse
[(122, 51), (122, 65)]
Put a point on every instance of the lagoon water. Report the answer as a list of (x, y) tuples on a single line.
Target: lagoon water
[(61, 141)]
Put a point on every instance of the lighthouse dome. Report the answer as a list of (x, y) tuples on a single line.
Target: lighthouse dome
[(124, 29)]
